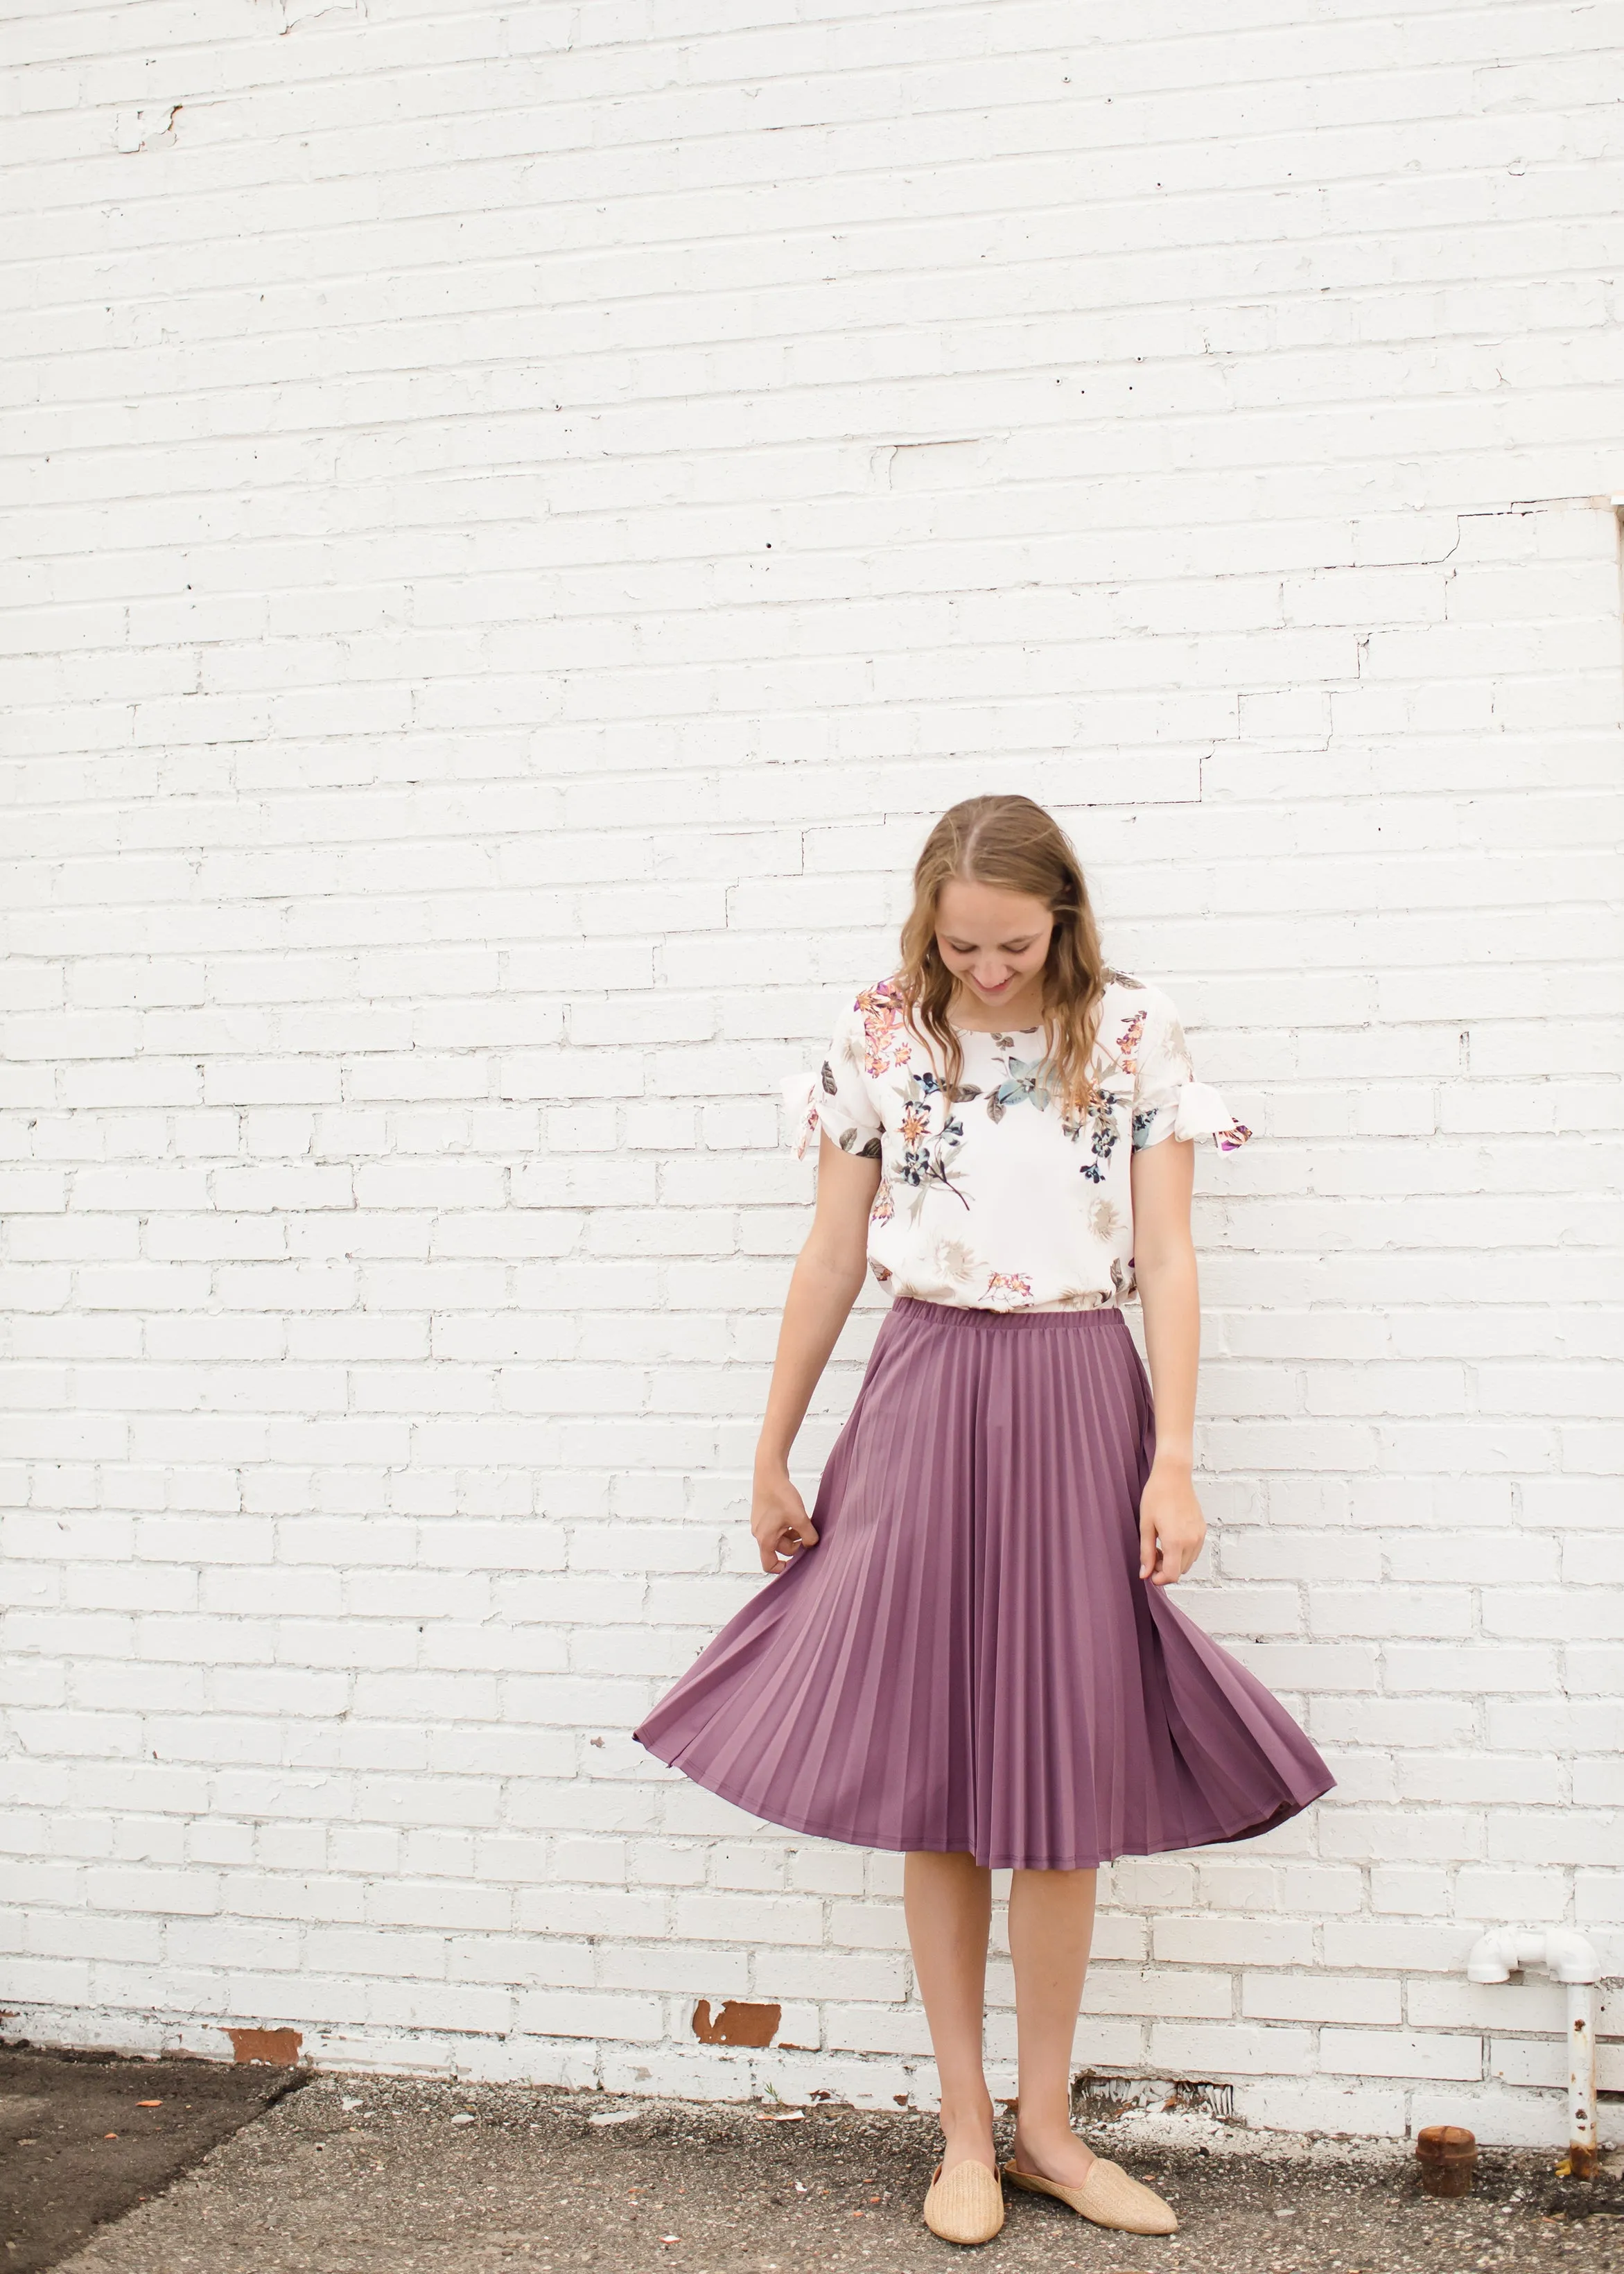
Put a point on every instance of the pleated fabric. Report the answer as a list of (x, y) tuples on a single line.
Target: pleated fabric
[(969, 1661)]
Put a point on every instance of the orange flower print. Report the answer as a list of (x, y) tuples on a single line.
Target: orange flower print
[(1128, 1043), (885, 1035), (925, 1159), (884, 1208), (1007, 1290)]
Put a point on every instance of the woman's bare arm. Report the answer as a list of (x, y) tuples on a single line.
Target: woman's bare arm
[(1171, 1526), (826, 1281)]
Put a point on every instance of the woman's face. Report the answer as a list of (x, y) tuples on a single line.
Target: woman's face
[(993, 942)]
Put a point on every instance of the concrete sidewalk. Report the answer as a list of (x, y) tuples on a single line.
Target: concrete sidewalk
[(357, 2175)]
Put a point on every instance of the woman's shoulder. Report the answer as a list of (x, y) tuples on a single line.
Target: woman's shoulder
[(1128, 995), (877, 1008), (875, 1025), (1129, 982), (881, 997), (1134, 1014)]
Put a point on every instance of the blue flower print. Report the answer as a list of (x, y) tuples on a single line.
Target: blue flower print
[(927, 1153), (1095, 1123), (1023, 1084)]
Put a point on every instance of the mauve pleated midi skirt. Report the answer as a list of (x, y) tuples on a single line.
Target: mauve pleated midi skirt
[(969, 1661)]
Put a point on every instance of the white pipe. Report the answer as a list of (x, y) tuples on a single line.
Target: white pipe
[(1567, 1957)]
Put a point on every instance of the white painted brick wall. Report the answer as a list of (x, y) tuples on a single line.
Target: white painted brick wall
[(518, 518)]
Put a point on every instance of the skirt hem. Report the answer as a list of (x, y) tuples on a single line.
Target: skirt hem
[(1252, 1829)]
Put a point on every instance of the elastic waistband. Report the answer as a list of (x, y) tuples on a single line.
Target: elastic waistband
[(1102, 1318)]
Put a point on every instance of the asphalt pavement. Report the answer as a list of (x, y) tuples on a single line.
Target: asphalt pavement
[(370, 2175)]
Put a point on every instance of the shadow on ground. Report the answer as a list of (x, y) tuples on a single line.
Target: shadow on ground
[(85, 2137), (355, 2175)]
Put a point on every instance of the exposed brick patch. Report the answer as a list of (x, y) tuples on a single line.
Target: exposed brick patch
[(736, 2023), (279, 2046)]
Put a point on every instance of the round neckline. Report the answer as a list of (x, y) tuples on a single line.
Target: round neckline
[(989, 1031)]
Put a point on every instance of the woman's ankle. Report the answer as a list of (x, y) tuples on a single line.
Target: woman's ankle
[(966, 2119), (1044, 2141)]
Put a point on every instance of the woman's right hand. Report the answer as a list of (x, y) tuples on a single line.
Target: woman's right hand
[(827, 1280), (778, 1519)]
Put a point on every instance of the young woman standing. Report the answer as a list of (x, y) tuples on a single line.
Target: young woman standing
[(971, 1655)]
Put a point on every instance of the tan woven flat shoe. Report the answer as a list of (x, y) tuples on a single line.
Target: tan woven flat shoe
[(1107, 2196), (967, 2206)]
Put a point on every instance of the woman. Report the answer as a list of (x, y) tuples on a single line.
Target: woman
[(971, 1655)]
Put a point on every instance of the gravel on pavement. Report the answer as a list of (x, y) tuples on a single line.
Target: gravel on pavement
[(354, 2175)]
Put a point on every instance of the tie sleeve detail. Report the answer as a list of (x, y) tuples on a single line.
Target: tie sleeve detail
[(800, 1094), (1168, 1100), (837, 1093), (1200, 1112)]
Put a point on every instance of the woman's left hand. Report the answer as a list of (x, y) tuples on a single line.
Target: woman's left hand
[(1171, 1526)]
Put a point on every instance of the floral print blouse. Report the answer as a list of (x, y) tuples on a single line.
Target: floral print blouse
[(997, 1197)]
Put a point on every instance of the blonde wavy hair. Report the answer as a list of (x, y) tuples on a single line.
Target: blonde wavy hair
[(1011, 844)]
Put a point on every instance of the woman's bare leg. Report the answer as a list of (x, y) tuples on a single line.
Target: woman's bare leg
[(1051, 1925), (947, 1901)]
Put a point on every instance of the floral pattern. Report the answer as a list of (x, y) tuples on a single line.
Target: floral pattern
[(1093, 1125), (997, 1194), (1128, 1043), (1023, 1082), (1097, 1123), (927, 1152), (1105, 1221), (886, 1040), (956, 1260), (864, 1143)]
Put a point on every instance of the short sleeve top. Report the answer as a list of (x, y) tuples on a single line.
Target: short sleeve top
[(999, 1197)]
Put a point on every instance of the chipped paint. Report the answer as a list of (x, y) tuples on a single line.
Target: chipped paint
[(278, 2047), (736, 2023)]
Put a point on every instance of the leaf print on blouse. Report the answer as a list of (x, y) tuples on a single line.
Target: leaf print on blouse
[(928, 1156), (886, 1042), (850, 1141), (1025, 1082), (1022, 1083)]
